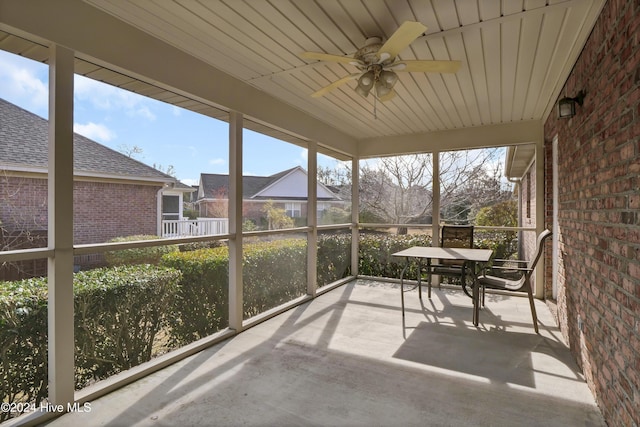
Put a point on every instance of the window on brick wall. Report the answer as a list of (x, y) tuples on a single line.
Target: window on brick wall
[(293, 210)]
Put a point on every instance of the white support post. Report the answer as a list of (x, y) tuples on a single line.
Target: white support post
[(355, 214), (540, 212), (435, 206), (235, 221), (312, 218), (60, 227)]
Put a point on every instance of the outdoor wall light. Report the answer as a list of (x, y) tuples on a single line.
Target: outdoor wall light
[(567, 106)]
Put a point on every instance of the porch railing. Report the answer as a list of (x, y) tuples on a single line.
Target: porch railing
[(194, 227)]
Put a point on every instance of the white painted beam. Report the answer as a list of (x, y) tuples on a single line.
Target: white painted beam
[(457, 139)]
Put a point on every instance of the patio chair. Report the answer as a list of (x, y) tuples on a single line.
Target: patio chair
[(522, 284), (455, 236)]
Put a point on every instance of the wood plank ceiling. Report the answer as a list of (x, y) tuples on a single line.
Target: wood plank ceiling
[(515, 55)]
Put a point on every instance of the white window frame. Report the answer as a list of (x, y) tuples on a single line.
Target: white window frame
[(293, 209)]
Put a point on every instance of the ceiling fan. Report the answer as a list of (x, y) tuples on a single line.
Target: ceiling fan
[(378, 63)]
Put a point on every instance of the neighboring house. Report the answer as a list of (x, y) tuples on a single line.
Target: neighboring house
[(286, 190), (114, 195)]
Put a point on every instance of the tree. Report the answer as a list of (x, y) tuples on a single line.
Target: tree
[(169, 170), (130, 151), (277, 217), (22, 226), (503, 214), (399, 189)]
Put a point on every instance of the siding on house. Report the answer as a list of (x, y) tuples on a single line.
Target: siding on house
[(599, 212)]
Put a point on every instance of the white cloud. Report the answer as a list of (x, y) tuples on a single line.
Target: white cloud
[(94, 131), (302, 159), (217, 161), (106, 97), (20, 83), (176, 111), (142, 112)]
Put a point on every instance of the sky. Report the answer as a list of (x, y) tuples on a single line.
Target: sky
[(166, 135)]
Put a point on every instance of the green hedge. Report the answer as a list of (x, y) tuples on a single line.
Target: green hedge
[(273, 273), (150, 255), (118, 313), (201, 305), (334, 257), (375, 254), (23, 342)]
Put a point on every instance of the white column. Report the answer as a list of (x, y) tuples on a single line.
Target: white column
[(60, 226), (435, 206), (540, 213), (312, 218), (235, 220), (355, 214)]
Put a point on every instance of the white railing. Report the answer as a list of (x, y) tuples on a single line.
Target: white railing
[(194, 227)]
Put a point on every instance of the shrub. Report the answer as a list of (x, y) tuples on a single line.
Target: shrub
[(150, 255), (201, 306), (375, 254), (23, 341), (118, 313), (334, 257), (273, 273)]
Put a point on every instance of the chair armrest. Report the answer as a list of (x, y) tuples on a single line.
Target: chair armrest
[(504, 267), (519, 261)]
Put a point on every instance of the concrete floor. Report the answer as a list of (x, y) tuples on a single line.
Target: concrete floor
[(345, 359)]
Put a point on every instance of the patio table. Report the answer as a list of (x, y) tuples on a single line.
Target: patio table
[(420, 253)]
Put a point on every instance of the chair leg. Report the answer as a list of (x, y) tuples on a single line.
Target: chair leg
[(532, 304)]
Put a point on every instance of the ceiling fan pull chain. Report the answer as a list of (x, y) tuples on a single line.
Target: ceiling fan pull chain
[(375, 109)]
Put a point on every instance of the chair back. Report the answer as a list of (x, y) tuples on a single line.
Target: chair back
[(539, 248), (457, 236)]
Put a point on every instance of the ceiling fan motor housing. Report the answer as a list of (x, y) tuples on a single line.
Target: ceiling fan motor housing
[(368, 53)]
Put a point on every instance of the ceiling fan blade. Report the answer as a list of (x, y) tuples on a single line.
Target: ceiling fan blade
[(390, 95), (403, 37), (426, 66), (335, 84), (328, 57)]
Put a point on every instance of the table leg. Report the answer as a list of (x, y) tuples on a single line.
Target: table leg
[(429, 275), (476, 297), (402, 285), (420, 279)]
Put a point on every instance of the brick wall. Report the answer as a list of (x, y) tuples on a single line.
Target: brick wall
[(101, 211), (599, 212)]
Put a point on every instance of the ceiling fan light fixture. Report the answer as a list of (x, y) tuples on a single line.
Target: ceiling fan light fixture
[(382, 89), (364, 92), (366, 80), (389, 78)]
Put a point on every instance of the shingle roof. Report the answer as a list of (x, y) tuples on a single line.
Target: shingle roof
[(217, 185), (24, 143), (212, 184)]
